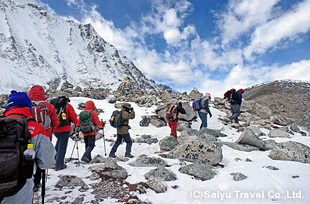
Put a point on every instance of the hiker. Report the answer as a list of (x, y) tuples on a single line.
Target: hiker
[(173, 121), (235, 105), (205, 110), (122, 132), (90, 135), (37, 95), (66, 116), (19, 105)]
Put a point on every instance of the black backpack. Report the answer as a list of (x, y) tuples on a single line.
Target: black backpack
[(14, 169), (60, 105)]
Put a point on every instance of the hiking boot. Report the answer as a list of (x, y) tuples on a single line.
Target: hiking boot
[(57, 168), (112, 155), (129, 155), (85, 159), (36, 187)]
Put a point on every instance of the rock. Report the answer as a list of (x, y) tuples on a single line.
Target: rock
[(241, 147), (71, 180), (198, 170), (157, 122), (161, 173), (291, 151), (145, 161), (168, 143), (156, 185), (238, 176), (208, 153), (249, 137), (278, 133)]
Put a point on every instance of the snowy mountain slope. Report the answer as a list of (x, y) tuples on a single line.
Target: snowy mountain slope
[(37, 47), (263, 185)]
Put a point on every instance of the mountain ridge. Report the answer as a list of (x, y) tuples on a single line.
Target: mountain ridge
[(38, 47)]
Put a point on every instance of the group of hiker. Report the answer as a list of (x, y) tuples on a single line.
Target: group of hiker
[(201, 107), (37, 120)]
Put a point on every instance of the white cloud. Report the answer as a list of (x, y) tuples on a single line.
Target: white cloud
[(243, 15), (286, 27)]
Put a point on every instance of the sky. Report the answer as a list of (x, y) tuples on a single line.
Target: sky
[(212, 45), (268, 186)]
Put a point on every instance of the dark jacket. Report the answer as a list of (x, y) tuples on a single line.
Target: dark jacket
[(126, 115), (90, 106), (238, 98), (36, 93)]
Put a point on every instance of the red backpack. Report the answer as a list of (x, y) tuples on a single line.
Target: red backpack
[(40, 113)]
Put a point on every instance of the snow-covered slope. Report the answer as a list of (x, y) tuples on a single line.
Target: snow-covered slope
[(37, 47)]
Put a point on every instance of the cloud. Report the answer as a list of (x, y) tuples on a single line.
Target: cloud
[(242, 16), (285, 28)]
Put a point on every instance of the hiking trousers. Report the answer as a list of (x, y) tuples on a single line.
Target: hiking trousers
[(204, 119), (61, 147), (173, 126), (89, 145), (235, 111), (118, 141)]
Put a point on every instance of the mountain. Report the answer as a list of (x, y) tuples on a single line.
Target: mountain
[(37, 47), (287, 98)]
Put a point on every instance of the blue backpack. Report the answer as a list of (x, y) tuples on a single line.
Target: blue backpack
[(197, 104), (116, 119)]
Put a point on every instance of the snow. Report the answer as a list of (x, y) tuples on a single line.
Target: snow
[(263, 185)]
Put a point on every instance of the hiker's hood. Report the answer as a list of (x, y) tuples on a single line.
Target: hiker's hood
[(37, 93), (90, 105)]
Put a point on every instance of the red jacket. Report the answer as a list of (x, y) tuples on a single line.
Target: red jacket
[(36, 93), (89, 106), (70, 113)]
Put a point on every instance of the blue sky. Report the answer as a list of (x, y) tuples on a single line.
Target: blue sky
[(212, 45)]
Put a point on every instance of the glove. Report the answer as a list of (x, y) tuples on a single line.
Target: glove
[(210, 115)]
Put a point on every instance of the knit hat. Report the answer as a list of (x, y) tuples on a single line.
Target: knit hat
[(208, 95), (18, 99), (241, 91)]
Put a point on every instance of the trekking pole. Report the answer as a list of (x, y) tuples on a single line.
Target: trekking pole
[(43, 185), (105, 150)]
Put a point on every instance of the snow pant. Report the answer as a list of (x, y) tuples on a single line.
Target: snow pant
[(173, 126), (204, 119), (235, 112), (89, 145), (61, 147), (23, 196), (128, 141)]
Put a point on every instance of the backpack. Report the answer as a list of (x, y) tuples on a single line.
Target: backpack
[(60, 105), (196, 105), (116, 119), (14, 169), (171, 112), (231, 96), (86, 124), (39, 112)]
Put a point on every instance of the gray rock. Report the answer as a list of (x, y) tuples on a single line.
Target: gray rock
[(157, 122), (145, 161), (241, 147), (161, 173), (71, 180), (156, 185), (249, 137), (238, 176), (198, 170), (291, 151), (208, 153), (278, 133), (168, 143)]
